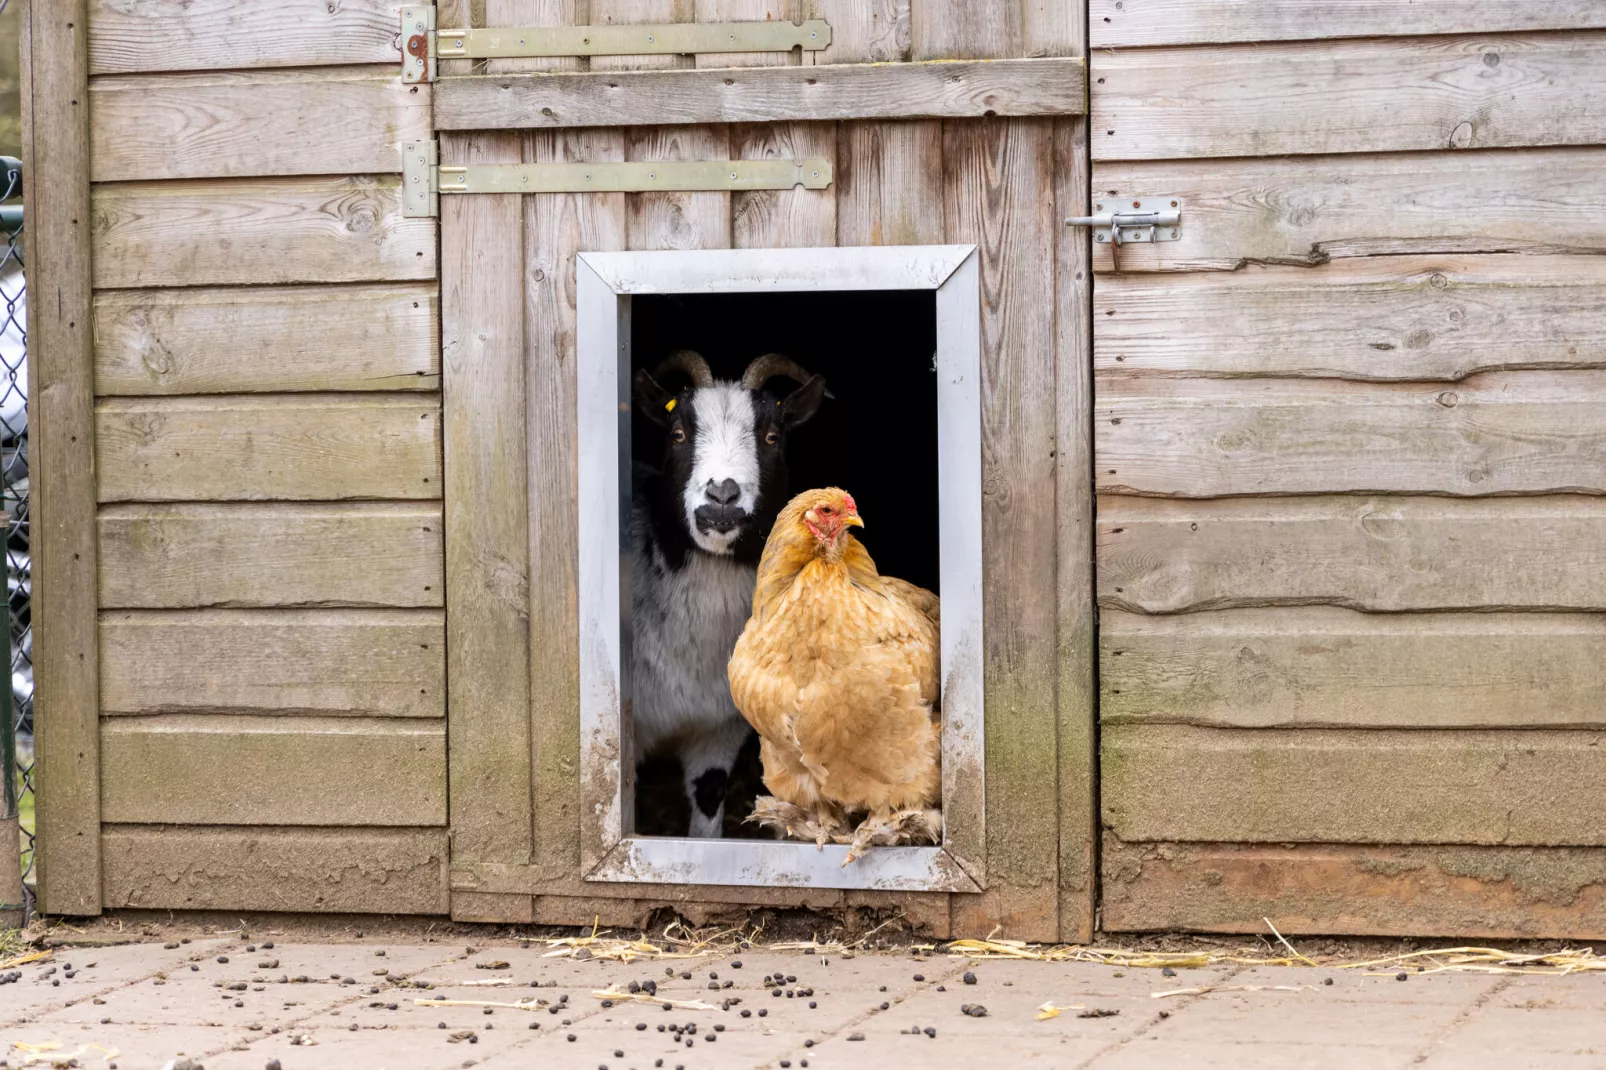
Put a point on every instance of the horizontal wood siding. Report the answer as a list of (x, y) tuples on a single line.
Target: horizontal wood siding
[(203, 769), (127, 37), (253, 123), (186, 556), (282, 338), (355, 662), (246, 231), (252, 448), (1530, 788), (329, 870)]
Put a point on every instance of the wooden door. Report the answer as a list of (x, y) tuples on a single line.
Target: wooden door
[(1350, 447)]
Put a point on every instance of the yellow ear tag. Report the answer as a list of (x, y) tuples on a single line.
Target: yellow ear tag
[(671, 406)]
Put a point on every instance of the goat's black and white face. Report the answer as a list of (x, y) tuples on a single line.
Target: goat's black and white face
[(726, 454)]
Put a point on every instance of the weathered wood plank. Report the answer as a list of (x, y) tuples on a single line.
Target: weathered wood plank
[(1369, 553), (55, 59), (557, 226), (966, 29), (678, 220), (1319, 666), (178, 35), (748, 11), (1501, 892), (889, 183), (239, 232), (254, 448), (348, 553), (1195, 22), (1376, 95), (1532, 788), (245, 124), (1023, 87), (862, 31), (999, 186), (534, 13), (1076, 703), (1307, 211), (364, 662), (783, 218), (636, 12), (281, 339), (1412, 318), (1525, 432), (297, 870), (487, 514), (241, 770)]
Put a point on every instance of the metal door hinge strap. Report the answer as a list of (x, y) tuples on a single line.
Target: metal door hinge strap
[(423, 179), (1124, 220), (682, 38)]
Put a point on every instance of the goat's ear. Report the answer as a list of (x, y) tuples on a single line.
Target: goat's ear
[(801, 404), (652, 400)]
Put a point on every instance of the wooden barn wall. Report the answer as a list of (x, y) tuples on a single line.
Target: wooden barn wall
[(1002, 184), (1349, 457), (267, 429)]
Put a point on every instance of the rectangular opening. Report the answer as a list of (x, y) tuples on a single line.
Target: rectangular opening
[(894, 333)]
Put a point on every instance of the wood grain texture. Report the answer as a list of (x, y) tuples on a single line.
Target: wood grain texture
[(556, 227), (1378, 554), (783, 218), (292, 870), (241, 232), (1376, 95), (246, 124), (1307, 211), (533, 13), (177, 35), (1024, 87), (1114, 23), (748, 11), (1500, 892), (278, 339), (281, 554), (487, 513), (1320, 666), (1526, 432), (1407, 318), (678, 220), (356, 662), (61, 428), (889, 183), (1075, 700), (1533, 788), (966, 29), (998, 183), (262, 448), (862, 31), (240, 770)]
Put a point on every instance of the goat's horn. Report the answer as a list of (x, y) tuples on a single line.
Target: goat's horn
[(689, 362), (770, 365)]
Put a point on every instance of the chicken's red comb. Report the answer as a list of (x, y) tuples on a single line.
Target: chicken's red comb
[(847, 500)]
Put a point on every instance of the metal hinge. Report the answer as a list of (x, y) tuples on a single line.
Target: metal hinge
[(423, 179), (423, 44), (1124, 221)]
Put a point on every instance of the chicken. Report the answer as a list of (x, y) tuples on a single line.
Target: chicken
[(838, 670)]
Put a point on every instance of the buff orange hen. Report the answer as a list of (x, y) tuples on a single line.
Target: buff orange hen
[(838, 670)]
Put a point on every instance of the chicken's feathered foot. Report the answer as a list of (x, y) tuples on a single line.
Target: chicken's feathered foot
[(891, 829), (821, 826)]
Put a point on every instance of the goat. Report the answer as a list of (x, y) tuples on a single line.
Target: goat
[(698, 526)]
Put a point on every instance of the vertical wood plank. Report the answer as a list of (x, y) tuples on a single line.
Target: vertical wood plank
[(1073, 482), (1053, 28), (678, 220), (889, 183), (747, 11), (557, 226), (534, 13), (969, 29), (999, 194), (629, 12), (862, 31), (783, 218), (487, 516), (55, 98)]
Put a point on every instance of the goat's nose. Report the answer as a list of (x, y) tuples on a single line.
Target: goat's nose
[(724, 492)]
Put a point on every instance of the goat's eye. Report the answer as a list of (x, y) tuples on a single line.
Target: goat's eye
[(678, 435), (771, 438)]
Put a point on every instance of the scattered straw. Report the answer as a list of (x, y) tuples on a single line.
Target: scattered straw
[(49, 1053), (521, 1005), (1202, 989), (619, 996), (23, 960), (1047, 1011)]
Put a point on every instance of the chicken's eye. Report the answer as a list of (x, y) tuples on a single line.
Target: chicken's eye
[(677, 435), (826, 510), (771, 438)]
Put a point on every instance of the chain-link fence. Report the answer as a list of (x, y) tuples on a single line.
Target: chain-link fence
[(18, 742)]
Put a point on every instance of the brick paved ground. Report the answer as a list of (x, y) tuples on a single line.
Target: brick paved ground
[(351, 1006)]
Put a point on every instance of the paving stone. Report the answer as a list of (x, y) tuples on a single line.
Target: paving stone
[(138, 1047), (97, 971), (1144, 1054)]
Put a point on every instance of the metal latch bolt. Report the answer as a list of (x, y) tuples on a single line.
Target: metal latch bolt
[(1140, 219)]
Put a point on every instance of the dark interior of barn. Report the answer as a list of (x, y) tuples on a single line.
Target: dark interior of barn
[(876, 437)]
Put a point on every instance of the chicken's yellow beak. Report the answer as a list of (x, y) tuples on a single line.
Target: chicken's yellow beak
[(853, 520)]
